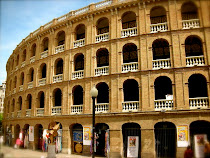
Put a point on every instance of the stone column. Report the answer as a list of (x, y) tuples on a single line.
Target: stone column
[(65, 139), (115, 143)]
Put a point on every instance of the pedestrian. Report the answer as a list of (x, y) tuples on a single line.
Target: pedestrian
[(188, 152), (207, 150)]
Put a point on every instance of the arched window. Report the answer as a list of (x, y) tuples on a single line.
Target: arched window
[(80, 32), (17, 60), (130, 53), (24, 56), (31, 77), (131, 90), (13, 105), (59, 66), (77, 95), (197, 86), (61, 38), (41, 99), (160, 48), (20, 103), (57, 97), (33, 50), (102, 26), (45, 44), (22, 79), (79, 62), (128, 20), (43, 71), (102, 57), (103, 93), (29, 100), (189, 11), (15, 82), (163, 87), (158, 15), (193, 46)]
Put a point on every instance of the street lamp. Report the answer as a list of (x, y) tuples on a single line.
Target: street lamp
[(94, 94)]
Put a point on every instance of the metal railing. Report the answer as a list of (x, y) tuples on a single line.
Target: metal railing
[(130, 106), (199, 103)]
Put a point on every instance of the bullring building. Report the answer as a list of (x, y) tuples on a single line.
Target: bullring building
[(149, 60)]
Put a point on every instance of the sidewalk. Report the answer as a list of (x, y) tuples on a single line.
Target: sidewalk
[(10, 152)]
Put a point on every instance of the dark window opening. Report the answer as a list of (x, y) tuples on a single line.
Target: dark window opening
[(193, 46), (189, 11), (32, 75), (158, 15), (103, 58), (29, 101), (45, 44), (160, 49), (131, 90), (41, 103), (78, 96), (80, 32), (103, 26), (58, 97), (61, 38), (59, 67), (129, 20), (44, 71), (130, 53), (103, 93), (33, 53), (79, 62)]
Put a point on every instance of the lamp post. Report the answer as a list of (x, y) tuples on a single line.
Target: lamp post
[(94, 94)]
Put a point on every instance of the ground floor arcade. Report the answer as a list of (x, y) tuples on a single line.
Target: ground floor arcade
[(151, 134)]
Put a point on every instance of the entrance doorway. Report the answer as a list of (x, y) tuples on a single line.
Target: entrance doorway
[(77, 133), (165, 140), (101, 135), (131, 129), (38, 134)]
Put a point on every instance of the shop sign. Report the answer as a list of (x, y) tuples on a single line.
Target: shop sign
[(77, 136), (199, 141), (31, 133), (133, 146), (87, 135), (182, 136)]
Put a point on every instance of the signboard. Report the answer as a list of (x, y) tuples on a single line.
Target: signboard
[(182, 136), (77, 136), (199, 141), (133, 146), (87, 135), (31, 133)]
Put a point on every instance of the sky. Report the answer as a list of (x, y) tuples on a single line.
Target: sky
[(18, 18)]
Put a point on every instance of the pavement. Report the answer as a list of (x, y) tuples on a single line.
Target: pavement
[(10, 152)]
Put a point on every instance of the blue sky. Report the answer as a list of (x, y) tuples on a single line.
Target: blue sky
[(18, 18)]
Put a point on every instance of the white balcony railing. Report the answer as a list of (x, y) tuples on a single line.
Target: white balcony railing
[(12, 115), (59, 49), (103, 3), (126, 67), (161, 63), (76, 109), (14, 90), (32, 59), (78, 74), (42, 81), (58, 78), (21, 88), (130, 106), (195, 61), (30, 85), (56, 110), (102, 108), (189, 24), (39, 111), (28, 112), (163, 104), (19, 113), (16, 68), (79, 43), (199, 103), (102, 71), (129, 32), (23, 63), (160, 27), (44, 54), (102, 37)]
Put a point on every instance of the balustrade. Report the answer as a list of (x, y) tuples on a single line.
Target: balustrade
[(76, 109), (199, 103), (39, 111), (23, 64), (42, 82), (160, 27), (12, 115), (59, 49), (129, 32), (19, 113), (32, 59), (189, 24), (103, 3), (30, 85), (81, 10), (44, 54), (102, 37), (21, 88), (16, 68), (102, 71), (14, 90), (56, 111), (58, 78), (163, 104), (161, 63), (195, 60), (78, 74), (102, 108), (130, 106), (28, 112), (79, 43), (126, 67)]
